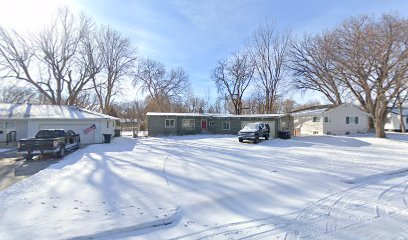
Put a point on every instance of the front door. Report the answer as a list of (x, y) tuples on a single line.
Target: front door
[(204, 125)]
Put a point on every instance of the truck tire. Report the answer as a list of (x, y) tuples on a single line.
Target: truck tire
[(240, 139), (78, 145), (256, 140), (267, 137), (28, 156), (61, 152)]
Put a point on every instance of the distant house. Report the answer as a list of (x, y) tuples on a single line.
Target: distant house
[(206, 123), (25, 120), (331, 120), (393, 122)]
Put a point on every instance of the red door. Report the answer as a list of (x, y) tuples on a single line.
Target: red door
[(204, 124)]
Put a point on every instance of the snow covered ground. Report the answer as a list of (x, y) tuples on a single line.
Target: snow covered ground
[(5, 149), (212, 187), (95, 191)]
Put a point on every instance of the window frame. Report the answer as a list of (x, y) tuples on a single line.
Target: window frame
[(327, 118), (229, 126), (169, 126), (211, 123), (318, 119), (189, 120)]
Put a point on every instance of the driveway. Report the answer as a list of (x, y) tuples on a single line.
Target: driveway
[(321, 187), (14, 168)]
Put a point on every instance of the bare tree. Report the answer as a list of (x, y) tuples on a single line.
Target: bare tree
[(232, 77), (372, 56), (314, 68), (135, 112), (269, 50), (18, 94), (46, 60), (117, 61), (365, 58), (163, 87)]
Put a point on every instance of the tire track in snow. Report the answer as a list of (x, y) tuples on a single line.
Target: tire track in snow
[(351, 208)]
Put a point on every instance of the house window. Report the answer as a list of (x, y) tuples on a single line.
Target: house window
[(107, 124), (328, 133), (388, 120), (327, 119), (406, 120), (211, 123), (226, 126), (316, 119), (188, 123), (170, 123), (350, 120), (315, 132)]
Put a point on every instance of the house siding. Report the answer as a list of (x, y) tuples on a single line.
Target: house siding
[(34, 125), (156, 124), (394, 124), (306, 126), (21, 129), (338, 124)]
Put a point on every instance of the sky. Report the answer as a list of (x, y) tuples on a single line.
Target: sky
[(195, 34)]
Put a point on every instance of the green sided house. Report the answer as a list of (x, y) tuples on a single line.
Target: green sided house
[(208, 123)]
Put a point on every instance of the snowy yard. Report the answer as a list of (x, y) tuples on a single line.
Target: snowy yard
[(212, 187)]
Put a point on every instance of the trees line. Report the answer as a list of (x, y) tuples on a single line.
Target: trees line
[(363, 61), (75, 61)]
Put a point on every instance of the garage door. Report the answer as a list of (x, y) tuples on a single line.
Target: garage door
[(272, 133), (77, 128)]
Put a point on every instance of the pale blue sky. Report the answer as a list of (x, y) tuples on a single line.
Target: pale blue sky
[(194, 34)]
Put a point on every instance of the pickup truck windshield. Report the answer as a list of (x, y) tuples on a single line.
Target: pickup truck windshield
[(50, 134), (251, 126)]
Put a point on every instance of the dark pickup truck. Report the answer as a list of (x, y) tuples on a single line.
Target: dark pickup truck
[(254, 131), (55, 141)]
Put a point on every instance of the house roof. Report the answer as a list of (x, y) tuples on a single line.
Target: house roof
[(31, 111), (404, 111), (216, 115), (313, 111), (319, 110)]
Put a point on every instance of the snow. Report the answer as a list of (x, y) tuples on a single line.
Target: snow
[(213, 187), (97, 190), (17, 111), (5, 149)]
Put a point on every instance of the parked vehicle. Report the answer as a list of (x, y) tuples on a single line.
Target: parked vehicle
[(55, 141), (254, 131)]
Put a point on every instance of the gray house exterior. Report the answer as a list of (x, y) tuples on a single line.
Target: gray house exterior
[(205, 123)]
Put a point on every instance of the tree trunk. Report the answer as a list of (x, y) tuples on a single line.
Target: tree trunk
[(379, 128), (401, 117)]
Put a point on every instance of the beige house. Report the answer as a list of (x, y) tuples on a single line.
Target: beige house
[(330, 120)]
